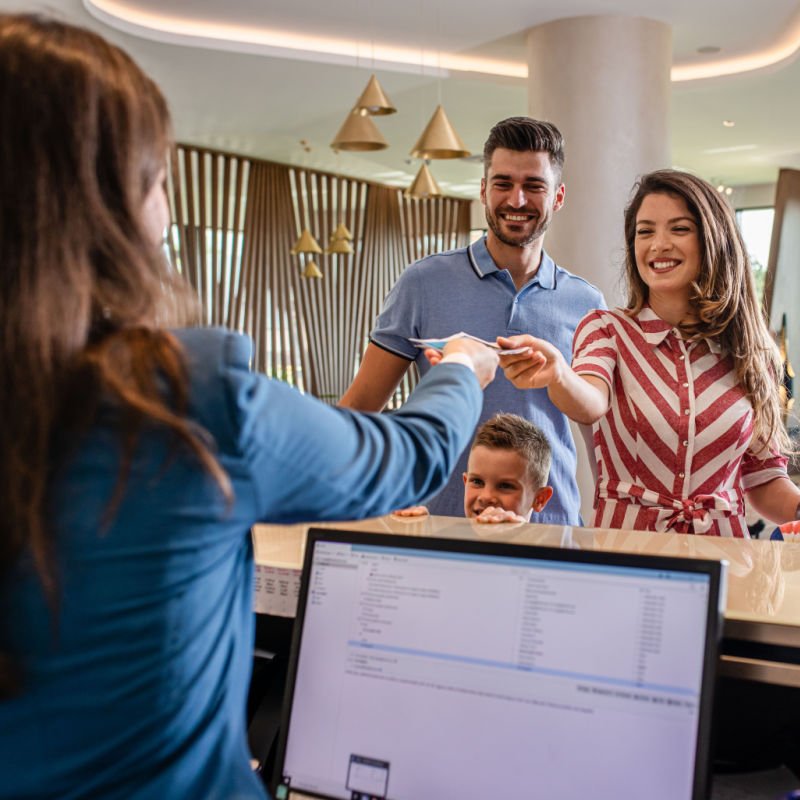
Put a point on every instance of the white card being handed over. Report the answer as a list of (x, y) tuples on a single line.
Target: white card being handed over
[(439, 344)]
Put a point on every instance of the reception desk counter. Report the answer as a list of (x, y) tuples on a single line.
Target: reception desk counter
[(762, 615)]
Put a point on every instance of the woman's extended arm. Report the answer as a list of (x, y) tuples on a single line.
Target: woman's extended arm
[(583, 398), (307, 461), (777, 500)]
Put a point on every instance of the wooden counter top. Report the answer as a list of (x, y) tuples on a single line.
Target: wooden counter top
[(763, 596)]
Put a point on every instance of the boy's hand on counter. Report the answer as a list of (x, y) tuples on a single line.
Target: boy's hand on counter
[(411, 511), (494, 514)]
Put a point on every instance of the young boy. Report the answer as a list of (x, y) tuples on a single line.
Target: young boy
[(507, 469), (506, 477)]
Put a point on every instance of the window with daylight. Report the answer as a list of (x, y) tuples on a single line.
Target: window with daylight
[(756, 227)]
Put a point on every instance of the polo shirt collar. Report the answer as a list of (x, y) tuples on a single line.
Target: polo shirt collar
[(655, 330), (546, 274), (479, 258), (483, 264)]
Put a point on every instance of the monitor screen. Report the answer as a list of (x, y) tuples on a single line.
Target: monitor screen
[(431, 672)]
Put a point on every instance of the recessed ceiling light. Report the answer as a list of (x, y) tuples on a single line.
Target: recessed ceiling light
[(728, 123), (708, 49), (287, 44)]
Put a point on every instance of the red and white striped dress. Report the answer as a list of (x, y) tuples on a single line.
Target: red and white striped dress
[(673, 451)]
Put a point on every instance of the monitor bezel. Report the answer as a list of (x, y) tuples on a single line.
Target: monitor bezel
[(714, 618)]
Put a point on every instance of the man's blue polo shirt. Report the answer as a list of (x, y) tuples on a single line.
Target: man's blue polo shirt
[(463, 290)]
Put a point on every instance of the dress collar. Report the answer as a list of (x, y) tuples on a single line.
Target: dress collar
[(655, 330)]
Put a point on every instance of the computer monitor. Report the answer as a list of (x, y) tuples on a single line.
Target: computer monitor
[(428, 668)]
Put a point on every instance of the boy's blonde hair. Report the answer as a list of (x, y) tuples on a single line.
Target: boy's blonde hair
[(512, 432)]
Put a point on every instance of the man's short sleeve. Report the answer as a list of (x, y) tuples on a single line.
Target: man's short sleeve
[(594, 350), (400, 316)]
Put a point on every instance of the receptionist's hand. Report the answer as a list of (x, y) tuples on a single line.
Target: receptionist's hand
[(482, 358)]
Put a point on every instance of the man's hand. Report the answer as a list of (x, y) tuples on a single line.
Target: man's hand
[(411, 511), (482, 359), (494, 514), (540, 366)]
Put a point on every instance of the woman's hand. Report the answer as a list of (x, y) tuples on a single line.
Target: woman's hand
[(540, 366), (583, 398)]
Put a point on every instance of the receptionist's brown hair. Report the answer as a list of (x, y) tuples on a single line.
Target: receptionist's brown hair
[(84, 291)]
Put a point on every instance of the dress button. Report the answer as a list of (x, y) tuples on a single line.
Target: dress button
[(685, 442), (682, 358), (685, 385), (681, 474), (686, 411)]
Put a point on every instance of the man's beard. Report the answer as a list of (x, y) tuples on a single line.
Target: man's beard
[(522, 240)]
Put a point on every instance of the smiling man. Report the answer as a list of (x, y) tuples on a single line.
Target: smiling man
[(503, 284)]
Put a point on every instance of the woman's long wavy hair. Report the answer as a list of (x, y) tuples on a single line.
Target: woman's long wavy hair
[(85, 292), (724, 300)]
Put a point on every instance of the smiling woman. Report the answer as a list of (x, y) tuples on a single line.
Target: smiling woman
[(682, 385), (667, 249)]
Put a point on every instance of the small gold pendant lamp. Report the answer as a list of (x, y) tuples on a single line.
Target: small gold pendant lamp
[(306, 244), (311, 270), (373, 99), (424, 185), (359, 133), (439, 139)]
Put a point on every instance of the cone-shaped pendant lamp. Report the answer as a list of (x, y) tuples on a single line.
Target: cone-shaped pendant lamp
[(306, 244), (424, 185), (311, 271), (340, 246), (373, 99), (341, 232), (359, 133), (439, 139)]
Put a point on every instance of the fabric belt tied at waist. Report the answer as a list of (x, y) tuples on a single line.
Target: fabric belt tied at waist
[(698, 512)]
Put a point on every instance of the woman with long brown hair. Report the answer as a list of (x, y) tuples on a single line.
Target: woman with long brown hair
[(681, 386), (135, 454)]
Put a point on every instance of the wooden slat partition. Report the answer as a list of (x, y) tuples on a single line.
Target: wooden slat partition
[(235, 221), (272, 281), (382, 260), (207, 200)]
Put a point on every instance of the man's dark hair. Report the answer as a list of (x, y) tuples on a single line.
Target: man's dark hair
[(524, 134)]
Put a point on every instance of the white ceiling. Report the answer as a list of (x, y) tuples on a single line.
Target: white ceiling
[(262, 100)]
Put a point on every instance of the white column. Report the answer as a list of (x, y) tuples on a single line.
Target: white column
[(605, 82)]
